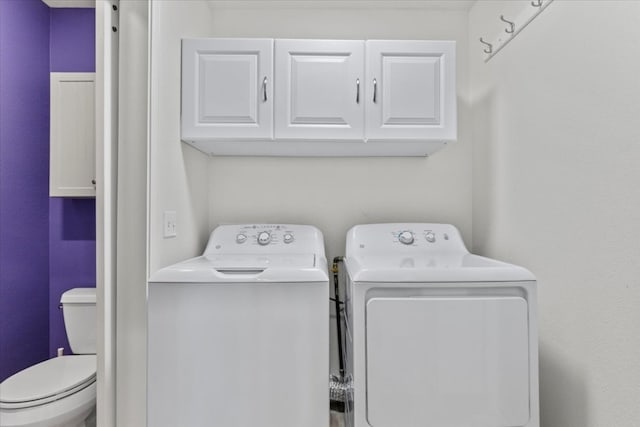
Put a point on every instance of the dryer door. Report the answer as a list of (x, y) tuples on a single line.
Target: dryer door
[(447, 361)]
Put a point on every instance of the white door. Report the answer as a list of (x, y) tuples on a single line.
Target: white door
[(227, 89), (447, 361), (411, 90), (320, 89), (72, 169)]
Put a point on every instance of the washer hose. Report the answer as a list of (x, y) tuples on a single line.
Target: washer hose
[(337, 302)]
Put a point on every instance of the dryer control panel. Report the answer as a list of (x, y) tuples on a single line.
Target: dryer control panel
[(265, 238), (409, 237)]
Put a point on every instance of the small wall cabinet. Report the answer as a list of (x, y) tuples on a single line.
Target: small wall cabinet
[(327, 97), (72, 135)]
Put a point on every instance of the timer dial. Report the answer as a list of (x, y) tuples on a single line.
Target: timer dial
[(406, 237), (264, 238)]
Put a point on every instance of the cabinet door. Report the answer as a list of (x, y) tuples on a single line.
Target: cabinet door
[(320, 89), (72, 135), (227, 89), (411, 90)]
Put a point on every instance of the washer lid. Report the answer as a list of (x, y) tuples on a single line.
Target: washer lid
[(226, 268), (48, 380), (445, 267)]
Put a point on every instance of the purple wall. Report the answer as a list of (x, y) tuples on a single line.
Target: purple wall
[(72, 228), (73, 40), (24, 184), (46, 245)]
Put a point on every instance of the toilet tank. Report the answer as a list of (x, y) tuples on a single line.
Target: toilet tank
[(80, 319)]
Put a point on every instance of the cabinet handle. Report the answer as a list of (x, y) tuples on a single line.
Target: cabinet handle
[(264, 89), (375, 90), (357, 91)]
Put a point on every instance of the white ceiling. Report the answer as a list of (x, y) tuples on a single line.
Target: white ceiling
[(400, 4)]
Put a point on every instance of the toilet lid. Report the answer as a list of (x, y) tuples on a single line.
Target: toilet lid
[(48, 381)]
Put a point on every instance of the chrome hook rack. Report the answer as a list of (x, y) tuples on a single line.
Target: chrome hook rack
[(515, 24)]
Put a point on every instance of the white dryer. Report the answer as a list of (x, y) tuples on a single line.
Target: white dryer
[(436, 336), (239, 337)]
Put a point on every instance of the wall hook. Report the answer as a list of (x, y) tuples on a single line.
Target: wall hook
[(512, 26), (489, 48), (537, 3)]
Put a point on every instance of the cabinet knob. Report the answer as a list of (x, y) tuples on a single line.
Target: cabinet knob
[(93, 181)]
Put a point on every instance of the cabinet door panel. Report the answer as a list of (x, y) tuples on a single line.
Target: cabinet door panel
[(225, 77), (226, 89), (413, 84), (411, 94), (317, 84)]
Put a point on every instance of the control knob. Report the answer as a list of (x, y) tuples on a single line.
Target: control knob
[(406, 237), (287, 238), (241, 238), (264, 238), (430, 237)]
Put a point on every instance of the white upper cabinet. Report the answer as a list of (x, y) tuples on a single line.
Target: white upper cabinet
[(319, 89), (72, 135), (227, 89), (265, 97), (411, 90)]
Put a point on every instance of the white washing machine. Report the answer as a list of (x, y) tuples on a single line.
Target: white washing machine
[(239, 337), (436, 336)]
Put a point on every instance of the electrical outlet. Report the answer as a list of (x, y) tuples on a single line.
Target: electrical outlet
[(170, 224)]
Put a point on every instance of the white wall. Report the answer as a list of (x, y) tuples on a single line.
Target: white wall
[(177, 173), (556, 172)]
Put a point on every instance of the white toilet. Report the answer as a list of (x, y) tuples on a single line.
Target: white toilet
[(59, 392)]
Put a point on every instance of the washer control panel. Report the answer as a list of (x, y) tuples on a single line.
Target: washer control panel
[(409, 237), (419, 236), (265, 238), (264, 235)]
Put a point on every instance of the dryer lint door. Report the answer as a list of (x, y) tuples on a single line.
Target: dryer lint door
[(447, 361)]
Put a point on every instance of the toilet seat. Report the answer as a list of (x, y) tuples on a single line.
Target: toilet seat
[(51, 380), (66, 412)]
